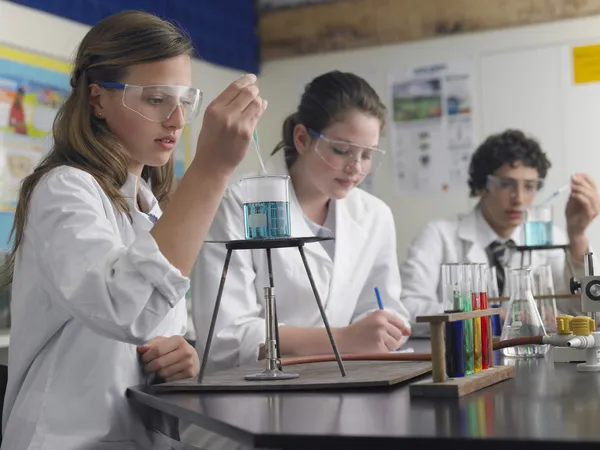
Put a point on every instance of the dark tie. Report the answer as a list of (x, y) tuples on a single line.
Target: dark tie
[(498, 257)]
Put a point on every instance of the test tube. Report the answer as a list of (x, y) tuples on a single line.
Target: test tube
[(492, 286), (454, 331), (467, 306), (485, 321), (475, 300)]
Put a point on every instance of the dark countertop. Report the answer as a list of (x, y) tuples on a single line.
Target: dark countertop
[(544, 406)]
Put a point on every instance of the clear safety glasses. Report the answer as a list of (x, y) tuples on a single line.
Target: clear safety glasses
[(511, 186), (158, 103), (340, 154)]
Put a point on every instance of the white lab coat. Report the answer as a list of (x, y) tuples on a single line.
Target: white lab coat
[(365, 258), (88, 287), (455, 240)]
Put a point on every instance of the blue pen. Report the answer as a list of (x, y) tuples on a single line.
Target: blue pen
[(378, 295)]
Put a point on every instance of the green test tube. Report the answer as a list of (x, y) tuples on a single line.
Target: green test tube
[(466, 276)]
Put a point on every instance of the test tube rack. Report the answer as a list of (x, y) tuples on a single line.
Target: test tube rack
[(442, 386)]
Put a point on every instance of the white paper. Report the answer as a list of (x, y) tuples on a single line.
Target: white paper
[(431, 131)]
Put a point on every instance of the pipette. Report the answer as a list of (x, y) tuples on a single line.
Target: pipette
[(257, 150), (555, 193)]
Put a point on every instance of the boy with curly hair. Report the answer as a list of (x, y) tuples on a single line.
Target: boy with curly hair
[(505, 173)]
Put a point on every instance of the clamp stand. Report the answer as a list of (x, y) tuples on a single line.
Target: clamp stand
[(273, 370), (527, 249)]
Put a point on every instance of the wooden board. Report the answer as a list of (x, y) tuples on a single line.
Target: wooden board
[(344, 25), (314, 376), (455, 317), (458, 387)]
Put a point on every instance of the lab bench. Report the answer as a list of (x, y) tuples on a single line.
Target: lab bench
[(545, 405)]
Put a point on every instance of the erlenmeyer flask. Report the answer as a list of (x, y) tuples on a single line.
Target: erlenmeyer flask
[(522, 317), (543, 285)]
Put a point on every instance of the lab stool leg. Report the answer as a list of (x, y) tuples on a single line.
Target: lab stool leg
[(322, 311), (213, 321)]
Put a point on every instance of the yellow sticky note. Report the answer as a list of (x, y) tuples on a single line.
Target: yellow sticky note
[(586, 64)]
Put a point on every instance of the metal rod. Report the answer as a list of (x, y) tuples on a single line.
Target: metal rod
[(272, 371), (214, 317), (588, 271), (322, 311), (271, 354), (537, 297), (588, 258), (272, 284)]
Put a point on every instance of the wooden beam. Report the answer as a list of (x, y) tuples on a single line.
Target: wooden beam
[(362, 23)]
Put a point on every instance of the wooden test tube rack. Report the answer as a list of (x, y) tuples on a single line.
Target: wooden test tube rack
[(442, 386)]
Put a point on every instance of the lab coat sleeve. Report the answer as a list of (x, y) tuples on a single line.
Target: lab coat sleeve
[(121, 292), (240, 327), (384, 275), (420, 273)]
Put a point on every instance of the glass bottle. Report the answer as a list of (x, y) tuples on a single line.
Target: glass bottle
[(543, 286), (522, 317)]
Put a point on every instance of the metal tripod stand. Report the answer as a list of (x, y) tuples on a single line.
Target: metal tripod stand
[(272, 352)]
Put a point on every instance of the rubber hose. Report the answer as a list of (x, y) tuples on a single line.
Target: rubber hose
[(293, 360)]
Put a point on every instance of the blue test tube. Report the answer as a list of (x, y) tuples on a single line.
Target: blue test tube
[(494, 294), (454, 331)]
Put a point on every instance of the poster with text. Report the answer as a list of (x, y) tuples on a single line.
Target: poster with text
[(431, 132), (32, 87)]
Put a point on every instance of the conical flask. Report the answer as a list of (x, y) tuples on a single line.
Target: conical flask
[(522, 317)]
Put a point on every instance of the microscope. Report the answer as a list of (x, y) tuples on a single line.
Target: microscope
[(577, 338)]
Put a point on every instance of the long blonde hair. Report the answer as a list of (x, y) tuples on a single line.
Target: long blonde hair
[(84, 142)]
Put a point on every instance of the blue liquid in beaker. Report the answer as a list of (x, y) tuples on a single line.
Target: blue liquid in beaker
[(538, 233), (267, 220)]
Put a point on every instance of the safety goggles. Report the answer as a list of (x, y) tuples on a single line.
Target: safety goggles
[(511, 185), (157, 103), (340, 155)]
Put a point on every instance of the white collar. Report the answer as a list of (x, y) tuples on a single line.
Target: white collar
[(485, 234), (144, 192)]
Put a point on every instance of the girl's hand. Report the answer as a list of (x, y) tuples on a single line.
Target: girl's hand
[(170, 358)]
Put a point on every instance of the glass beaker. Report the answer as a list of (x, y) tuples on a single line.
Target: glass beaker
[(266, 206), (538, 225), (543, 286), (522, 317)]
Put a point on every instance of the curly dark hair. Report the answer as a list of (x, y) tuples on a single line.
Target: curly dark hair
[(508, 147)]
